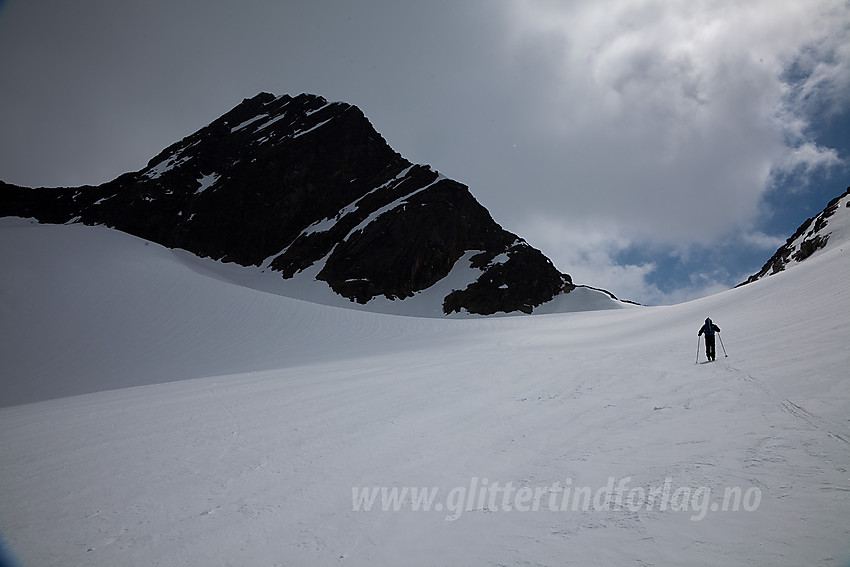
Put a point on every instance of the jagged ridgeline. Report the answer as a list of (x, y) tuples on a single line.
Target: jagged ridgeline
[(810, 237), (291, 182)]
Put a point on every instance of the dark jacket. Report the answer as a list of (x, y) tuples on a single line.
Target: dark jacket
[(708, 328)]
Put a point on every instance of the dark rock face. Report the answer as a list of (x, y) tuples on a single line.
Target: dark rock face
[(290, 182), (810, 237), (493, 287)]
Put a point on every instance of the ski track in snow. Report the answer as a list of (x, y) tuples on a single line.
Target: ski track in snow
[(273, 409)]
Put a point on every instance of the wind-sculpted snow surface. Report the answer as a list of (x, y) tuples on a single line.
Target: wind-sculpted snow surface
[(289, 431)]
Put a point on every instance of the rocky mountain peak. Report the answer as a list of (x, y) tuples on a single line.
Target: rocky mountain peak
[(289, 183)]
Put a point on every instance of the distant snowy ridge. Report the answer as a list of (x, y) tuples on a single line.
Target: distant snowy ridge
[(829, 228)]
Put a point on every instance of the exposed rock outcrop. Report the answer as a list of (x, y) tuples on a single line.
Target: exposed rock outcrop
[(813, 235)]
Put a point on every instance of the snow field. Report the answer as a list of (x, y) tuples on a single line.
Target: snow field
[(239, 422)]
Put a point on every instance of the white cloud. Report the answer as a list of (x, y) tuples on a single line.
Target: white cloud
[(588, 251), (591, 251), (760, 241), (663, 117), (809, 157)]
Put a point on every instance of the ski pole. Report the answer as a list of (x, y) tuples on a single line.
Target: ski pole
[(721, 345), (698, 341)]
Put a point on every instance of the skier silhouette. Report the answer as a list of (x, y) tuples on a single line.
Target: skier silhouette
[(709, 329)]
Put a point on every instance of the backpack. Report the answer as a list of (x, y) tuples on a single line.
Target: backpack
[(709, 327)]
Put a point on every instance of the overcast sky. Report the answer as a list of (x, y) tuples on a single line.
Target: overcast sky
[(659, 149)]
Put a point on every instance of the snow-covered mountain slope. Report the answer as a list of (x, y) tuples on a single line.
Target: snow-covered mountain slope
[(90, 308), (426, 303), (830, 227), (281, 413)]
